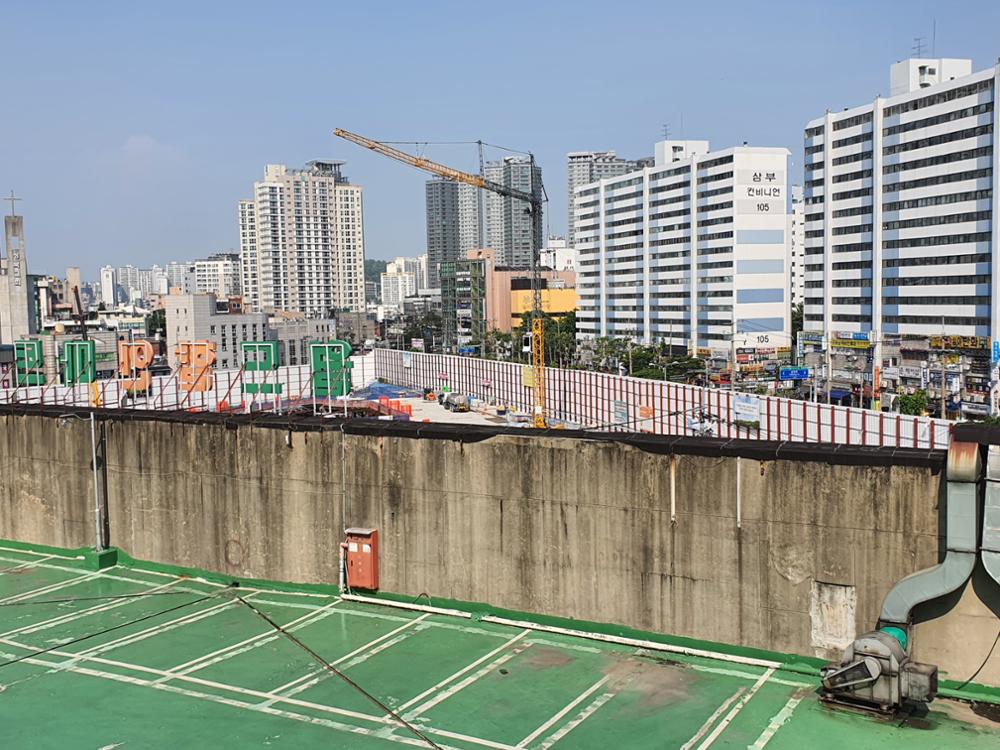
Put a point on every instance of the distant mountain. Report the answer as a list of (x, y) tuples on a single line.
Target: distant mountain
[(374, 268)]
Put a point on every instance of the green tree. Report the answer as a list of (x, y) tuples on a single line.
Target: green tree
[(560, 338), (912, 403), (498, 344), (156, 324), (427, 326), (798, 317)]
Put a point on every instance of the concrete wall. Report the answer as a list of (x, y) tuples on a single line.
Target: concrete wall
[(554, 525)]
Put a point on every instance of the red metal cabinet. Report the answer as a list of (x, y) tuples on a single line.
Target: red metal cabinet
[(362, 558)]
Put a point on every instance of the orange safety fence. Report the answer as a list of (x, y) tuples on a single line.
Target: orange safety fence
[(393, 406)]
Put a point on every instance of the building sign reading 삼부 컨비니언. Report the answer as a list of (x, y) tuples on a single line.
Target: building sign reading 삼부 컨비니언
[(760, 191)]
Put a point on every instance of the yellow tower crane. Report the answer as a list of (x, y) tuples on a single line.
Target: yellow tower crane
[(535, 203)]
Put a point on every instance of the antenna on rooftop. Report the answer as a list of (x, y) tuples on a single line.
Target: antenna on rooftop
[(919, 46), (666, 131)]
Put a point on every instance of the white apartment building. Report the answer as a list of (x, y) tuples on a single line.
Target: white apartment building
[(686, 252), (109, 286), (421, 271), (399, 280), (219, 274), (585, 167), (796, 246), (179, 275), (901, 199), (302, 241), (558, 255), (249, 273)]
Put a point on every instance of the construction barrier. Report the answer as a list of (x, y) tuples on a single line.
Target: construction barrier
[(601, 401)]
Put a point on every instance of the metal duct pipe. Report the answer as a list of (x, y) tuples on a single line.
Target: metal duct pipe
[(964, 467), (991, 515)]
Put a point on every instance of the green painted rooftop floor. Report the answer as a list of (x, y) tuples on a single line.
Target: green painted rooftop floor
[(188, 665)]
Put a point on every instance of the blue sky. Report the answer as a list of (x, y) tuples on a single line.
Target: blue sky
[(132, 129)]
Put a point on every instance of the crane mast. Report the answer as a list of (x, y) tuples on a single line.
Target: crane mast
[(479, 181)]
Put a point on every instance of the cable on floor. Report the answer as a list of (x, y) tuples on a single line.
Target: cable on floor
[(333, 670), (95, 634), (93, 598)]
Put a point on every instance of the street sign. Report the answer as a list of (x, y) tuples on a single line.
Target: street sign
[(467, 349), (417, 344), (793, 373)]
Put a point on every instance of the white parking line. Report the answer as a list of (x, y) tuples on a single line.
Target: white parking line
[(703, 729), (389, 725), (558, 717), (40, 554), (28, 564), (720, 728), (253, 707), (51, 587), (108, 575), (445, 694), (415, 700), (141, 635), (777, 722), (576, 721), (235, 649), (306, 681), (78, 614)]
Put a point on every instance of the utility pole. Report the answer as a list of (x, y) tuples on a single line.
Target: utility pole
[(732, 353), (943, 408), (828, 366)]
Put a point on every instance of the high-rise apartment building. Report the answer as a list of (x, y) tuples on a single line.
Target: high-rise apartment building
[(249, 273), (397, 284), (218, 274), (901, 200), (138, 283), (302, 244), (796, 246), (688, 252), (585, 167), (420, 269), (180, 275), (109, 286), (512, 228), (452, 210)]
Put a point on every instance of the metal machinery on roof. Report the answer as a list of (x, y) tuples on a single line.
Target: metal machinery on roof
[(876, 671), (533, 200)]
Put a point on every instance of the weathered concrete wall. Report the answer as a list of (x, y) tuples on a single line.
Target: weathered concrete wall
[(554, 525)]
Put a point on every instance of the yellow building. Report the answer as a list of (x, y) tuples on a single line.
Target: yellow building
[(555, 302)]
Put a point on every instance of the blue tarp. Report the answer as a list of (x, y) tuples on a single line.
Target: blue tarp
[(384, 390), (839, 393)]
